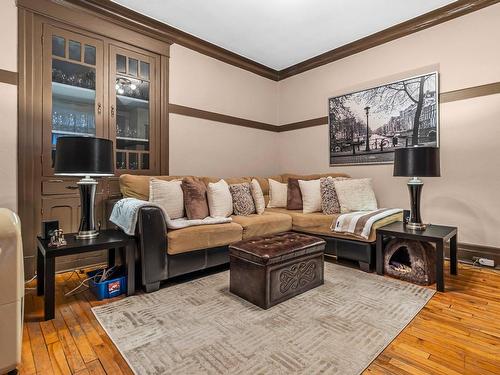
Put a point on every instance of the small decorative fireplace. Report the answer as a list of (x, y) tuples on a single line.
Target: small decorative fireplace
[(410, 260)]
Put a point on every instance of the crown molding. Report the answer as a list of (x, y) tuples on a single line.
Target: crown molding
[(433, 18), (132, 20)]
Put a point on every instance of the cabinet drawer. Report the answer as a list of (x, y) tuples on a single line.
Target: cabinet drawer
[(64, 186)]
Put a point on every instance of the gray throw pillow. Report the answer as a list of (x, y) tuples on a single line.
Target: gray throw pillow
[(242, 199), (329, 201)]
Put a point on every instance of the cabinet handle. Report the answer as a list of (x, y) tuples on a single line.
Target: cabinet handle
[(99, 108), (71, 187), (112, 111), (56, 181)]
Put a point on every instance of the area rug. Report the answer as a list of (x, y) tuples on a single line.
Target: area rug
[(198, 327)]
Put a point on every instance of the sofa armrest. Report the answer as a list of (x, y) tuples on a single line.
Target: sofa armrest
[(152, 241)]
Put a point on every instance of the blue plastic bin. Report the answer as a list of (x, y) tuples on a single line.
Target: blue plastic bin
[(112, 287)]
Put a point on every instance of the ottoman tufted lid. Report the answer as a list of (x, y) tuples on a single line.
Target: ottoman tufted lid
[(277, 247)]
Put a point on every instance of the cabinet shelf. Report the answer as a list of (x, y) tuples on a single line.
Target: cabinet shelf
[(128, 100), (133, 139), (64, 132), (73, 93)]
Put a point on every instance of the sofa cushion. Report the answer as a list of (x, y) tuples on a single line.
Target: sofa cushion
[(242, 199), (229, 180), (265, 224), (306, 177), (258, 196), (356, 195), (319, 224), (220, 201), (168, 195), (311, 195), (195, 198), (132, 186), (277, 194), (293, 195), (202, 237)]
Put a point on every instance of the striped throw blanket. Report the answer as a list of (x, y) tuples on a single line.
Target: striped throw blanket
[(360, 223)]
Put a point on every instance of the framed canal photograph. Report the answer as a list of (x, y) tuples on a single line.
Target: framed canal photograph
[(367, 126)]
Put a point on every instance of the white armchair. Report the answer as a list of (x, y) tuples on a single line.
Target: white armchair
[(11, 291)]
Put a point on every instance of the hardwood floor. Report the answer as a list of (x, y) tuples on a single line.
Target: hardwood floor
[(457, 332)]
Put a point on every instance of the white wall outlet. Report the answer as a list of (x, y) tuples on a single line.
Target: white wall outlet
[(485, 261)]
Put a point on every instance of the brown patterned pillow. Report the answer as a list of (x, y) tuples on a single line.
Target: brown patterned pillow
[(195, 198), (242, 199), (329, 201), (294, 196)]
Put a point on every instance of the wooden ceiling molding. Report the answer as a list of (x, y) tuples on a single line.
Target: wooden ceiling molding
[(135, 21), (170, 34), (433, 18)]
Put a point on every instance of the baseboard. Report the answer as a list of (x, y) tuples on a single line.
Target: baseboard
[(467, 252)]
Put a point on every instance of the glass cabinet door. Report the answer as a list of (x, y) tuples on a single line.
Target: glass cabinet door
[(132, 110), (72, 89)]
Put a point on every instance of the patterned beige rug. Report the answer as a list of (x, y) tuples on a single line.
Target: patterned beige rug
[(198, 327)]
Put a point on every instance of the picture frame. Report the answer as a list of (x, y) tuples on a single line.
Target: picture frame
[(385, 115)]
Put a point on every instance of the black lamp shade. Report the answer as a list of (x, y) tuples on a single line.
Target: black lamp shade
[(417, 162), (84, 156)]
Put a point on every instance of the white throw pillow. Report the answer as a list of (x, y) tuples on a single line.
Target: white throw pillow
[(311, 195), (356, 195), (258, 196), (277, 194), (168, 195), (220, 201)]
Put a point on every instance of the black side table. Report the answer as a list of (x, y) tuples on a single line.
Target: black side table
[(438, 234), (109, 239)]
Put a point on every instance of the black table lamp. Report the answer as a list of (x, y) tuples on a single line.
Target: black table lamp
[(85, 157), (416, 162)]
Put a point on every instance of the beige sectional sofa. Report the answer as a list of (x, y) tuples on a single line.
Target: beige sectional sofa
[(200, 245)]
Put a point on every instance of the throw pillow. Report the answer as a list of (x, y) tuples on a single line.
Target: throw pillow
[(258, 196), (168, 195), (242, 199), (220, 201), (293, 196), (311, 196), (277, 194), (195, 198), (329, 200), (356, 195)]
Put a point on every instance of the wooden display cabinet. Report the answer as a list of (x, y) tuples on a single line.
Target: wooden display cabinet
[(81, 75)]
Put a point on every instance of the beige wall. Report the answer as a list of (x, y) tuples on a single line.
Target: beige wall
[(210, 148), (465, 52), (8, 106)]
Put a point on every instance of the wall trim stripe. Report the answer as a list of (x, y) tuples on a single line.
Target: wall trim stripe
[(139, 22), (470, 92), (304, 124), (444, 97), (6, 76), (217, 117)]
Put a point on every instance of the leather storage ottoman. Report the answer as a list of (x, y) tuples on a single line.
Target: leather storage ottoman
[(268, 270)]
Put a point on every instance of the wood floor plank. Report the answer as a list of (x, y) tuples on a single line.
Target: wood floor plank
[(457, 332), (39, 349), (27, 362), (58, 359)]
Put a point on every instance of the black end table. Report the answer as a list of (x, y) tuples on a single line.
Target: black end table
[(109, 239), (438, 234)]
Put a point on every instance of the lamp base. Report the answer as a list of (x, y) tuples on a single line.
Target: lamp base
[(87, 229), (415, 186), (416, 226), (85, 235)]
